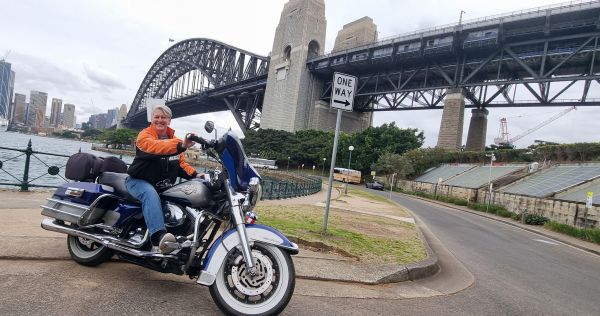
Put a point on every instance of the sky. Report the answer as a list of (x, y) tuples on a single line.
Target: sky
[(94, 54)]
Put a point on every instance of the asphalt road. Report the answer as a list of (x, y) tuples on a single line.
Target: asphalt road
[(517, 273)]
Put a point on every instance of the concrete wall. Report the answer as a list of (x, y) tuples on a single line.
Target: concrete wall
[(565, 212), (451, 127)]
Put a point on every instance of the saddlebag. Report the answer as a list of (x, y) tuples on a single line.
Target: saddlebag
[(80, 203), (87, 167)]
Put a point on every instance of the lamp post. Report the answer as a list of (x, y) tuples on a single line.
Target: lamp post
[(492, 159), (351, 148), (288, 166), (392, 184), (314, 169), (460, 18), (323, 171)]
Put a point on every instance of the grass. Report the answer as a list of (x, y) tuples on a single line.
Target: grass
[(385, 241), (587, 234)]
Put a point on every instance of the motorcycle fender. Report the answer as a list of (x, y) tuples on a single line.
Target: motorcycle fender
[(230, 239)]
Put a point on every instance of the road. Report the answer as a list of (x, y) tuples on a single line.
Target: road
[(516, 272)]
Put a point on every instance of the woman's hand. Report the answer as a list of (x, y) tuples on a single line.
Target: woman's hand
[(188, 143)]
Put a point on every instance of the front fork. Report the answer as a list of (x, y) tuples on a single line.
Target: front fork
[(240, 225)]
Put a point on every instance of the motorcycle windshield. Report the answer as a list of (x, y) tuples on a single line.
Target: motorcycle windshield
[(237, 165)]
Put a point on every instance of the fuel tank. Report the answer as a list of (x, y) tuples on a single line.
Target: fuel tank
[(193, 193)]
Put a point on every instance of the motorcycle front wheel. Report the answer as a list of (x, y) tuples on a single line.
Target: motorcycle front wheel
[(87, 252), (266, 293)]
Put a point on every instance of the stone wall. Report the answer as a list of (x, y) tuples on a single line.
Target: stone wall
[(561, 211)]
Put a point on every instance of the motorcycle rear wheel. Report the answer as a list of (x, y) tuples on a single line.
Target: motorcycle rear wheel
[(87, 252), (268, 293)]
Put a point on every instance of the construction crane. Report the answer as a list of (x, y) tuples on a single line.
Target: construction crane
[(504, 140)]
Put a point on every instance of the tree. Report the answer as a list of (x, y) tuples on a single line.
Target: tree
[(120, 137), (390, 163)]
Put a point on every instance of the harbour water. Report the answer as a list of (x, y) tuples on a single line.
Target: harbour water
[(13, 162)]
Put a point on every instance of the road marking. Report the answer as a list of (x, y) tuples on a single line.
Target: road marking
[(546, 241)]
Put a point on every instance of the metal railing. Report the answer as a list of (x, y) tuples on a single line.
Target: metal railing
[(25, 182), (274, 189)]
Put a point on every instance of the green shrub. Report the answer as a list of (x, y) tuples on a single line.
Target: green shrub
[(460, 202), (534, 219), (588, 234), (516, 216), (504, 213)]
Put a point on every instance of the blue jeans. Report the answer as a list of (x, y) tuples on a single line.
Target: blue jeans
[(145, 192)]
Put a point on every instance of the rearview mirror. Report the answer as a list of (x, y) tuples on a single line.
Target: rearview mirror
[(209, 127)]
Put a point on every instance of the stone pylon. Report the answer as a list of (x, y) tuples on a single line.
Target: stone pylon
[(477, 130), (291, 90), (451, 128)]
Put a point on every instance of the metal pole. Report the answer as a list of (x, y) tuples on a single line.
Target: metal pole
[(348, 176), (333, 156), (323, 171), (28, 152), (490, 184), (392, 184)]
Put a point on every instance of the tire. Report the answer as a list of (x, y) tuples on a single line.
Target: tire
[(271, 294), (87, 252)]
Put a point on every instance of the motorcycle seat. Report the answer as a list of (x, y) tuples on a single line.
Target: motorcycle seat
[(117, 181)]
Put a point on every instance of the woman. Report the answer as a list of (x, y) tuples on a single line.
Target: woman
[(158, 161)]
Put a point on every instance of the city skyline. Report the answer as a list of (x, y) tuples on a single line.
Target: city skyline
[(100, 64)]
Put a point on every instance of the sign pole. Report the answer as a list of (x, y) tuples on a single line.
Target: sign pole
[(333, 155)]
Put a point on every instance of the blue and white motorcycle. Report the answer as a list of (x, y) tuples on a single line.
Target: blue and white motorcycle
[(247, 266)]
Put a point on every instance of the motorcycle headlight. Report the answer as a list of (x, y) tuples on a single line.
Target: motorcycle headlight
[(254, 194)]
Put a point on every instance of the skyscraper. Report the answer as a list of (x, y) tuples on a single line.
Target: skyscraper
[(55, 112), (19, 109), (37, 104), (111, 117), (122, 114), (69, 115), (7, 80)]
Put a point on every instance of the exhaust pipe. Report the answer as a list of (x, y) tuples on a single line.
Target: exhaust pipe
[(107, 241)]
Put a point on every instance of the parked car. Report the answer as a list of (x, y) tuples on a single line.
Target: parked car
[(374, 185)]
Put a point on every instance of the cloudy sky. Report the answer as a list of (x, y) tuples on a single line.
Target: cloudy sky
[(95, 54)]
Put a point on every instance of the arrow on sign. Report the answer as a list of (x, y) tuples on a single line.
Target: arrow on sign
[(346, 103)]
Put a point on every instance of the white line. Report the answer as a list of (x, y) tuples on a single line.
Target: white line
[(546, 241)]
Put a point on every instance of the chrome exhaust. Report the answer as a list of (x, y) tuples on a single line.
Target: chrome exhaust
[(107, 241)]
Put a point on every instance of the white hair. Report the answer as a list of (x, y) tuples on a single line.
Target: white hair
[(163, 108)]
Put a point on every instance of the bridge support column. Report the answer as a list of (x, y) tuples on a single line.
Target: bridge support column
[(451, 128), (477, 130)]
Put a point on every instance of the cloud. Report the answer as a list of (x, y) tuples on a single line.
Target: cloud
[(102, 77)]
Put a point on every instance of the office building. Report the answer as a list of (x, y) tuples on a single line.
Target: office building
[(37, 105), (55, 112), (19, 109), (111, 117), (69, 115), (7, 81)]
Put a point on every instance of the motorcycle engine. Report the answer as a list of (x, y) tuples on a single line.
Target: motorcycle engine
[(174, 215)]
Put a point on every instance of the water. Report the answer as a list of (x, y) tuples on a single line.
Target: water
[(12, 169)]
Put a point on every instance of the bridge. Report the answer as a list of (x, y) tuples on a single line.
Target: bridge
[(547, 54)]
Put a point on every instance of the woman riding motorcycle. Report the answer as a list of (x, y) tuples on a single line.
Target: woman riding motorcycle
[(158, 161)]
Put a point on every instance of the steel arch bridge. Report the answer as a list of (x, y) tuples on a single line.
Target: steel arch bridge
[(202, 75)]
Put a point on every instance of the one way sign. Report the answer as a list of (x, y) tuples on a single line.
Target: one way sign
[(342, 91)]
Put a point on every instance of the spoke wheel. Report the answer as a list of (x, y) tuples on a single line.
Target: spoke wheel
[(87, 252), (267, 292)]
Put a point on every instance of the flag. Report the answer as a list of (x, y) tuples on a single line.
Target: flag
[(171, 40)]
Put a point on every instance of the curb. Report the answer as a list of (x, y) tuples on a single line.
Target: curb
[(509, 222)]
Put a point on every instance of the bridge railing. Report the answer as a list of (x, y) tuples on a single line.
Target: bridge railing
[(452, 26)]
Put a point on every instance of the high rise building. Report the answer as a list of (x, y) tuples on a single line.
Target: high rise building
[(20, 108), (30, 114), (122, 114), (37, 104), (69, 115), (102, 120), (55, 112), (111, 117), (7, 81)]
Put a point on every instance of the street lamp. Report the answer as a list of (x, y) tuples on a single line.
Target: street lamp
[(350, 148), (492, 159), (288, 166), (323, 172)]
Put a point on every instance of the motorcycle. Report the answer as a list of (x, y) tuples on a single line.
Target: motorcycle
[(247, 266)]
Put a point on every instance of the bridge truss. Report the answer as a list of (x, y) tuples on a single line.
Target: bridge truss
[(200, 76)]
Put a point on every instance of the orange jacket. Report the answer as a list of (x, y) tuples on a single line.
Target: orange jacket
[(159, 159)]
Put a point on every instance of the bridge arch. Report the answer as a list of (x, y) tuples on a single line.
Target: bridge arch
[(222, 65)]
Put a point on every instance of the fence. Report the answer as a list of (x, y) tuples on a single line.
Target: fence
[(282, 189), (25, 182)]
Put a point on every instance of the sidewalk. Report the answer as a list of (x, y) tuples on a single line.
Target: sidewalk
[(23, 238)]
